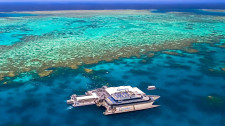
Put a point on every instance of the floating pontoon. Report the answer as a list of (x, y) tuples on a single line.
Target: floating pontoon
[(116, 99)]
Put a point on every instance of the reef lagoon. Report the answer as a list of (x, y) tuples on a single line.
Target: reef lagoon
[(45, 56)]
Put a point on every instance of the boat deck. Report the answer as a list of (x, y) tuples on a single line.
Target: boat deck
[(115, 99)]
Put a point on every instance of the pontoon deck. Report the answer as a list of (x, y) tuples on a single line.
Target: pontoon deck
[(116, 99)]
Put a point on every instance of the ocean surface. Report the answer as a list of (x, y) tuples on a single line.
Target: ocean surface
[(44, 55)]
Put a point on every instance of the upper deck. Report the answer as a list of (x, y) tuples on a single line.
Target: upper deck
[(125, 95)]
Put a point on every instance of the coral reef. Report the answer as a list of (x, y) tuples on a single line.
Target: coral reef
[(45, 73), (88, 70), (73, 38), (223, 69)]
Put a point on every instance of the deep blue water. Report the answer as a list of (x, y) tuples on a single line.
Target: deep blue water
[(15, 15), (194, 11), (8, 7), (183, 81)]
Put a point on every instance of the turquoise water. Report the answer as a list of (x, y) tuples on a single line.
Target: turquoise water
[(74, 37), (182, 54)]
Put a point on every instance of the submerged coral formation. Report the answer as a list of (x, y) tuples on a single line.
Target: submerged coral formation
[(73, 38), (223, 69), (45, 73), (215, 101), (88, 70)]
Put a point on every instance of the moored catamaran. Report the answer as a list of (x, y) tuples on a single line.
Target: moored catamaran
[(115, 99)]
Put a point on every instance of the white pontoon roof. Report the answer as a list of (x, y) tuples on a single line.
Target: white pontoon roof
[(112, 90), (87, 97)]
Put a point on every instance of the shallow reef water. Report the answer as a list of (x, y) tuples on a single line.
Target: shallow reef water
[(46, 58), (73, 38)]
